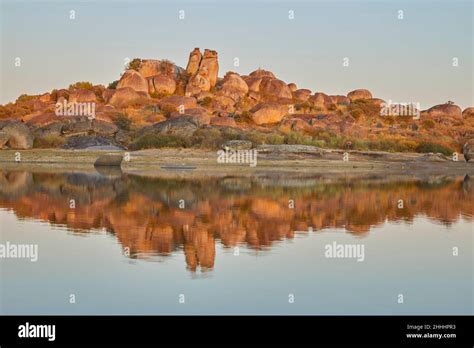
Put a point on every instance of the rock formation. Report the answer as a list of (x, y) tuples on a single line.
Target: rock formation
[(234, 86), (161, 84), (443, 110), (203, 70), (194, 61), (468, 150), (134, 80), (19, 135), (157, 91), (468, 113), (210, 63), (268, 113), (359, 94)]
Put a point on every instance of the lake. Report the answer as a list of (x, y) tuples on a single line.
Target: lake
[(117, 243)]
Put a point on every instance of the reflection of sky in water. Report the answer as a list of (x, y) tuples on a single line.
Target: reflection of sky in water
[(413, 259)]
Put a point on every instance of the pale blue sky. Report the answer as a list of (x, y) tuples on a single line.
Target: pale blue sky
[(407, 60)]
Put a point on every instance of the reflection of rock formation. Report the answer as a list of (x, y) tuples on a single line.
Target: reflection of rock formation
[(14, 184), (144, 213)]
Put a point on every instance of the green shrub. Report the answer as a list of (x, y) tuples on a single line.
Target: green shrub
[(113, 85), (54, 94), (255, 137), (361, 145), (230, 134), (25, 97), (123, 122), (183, 77), (167, 67), (426, 147), (48, 141), (274, 139), (134, 64), (81, 85), (210, 138)]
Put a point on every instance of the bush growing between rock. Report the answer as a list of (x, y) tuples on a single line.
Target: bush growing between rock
[(49, 141), (81, 85), (25, 97), (122, 122), (294, 138), (113, 85), (134, 64), (427, 147)]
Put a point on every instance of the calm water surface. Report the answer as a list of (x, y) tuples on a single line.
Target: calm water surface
[(236, 247)]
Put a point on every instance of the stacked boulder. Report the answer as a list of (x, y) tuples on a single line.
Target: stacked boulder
[(203, 70)]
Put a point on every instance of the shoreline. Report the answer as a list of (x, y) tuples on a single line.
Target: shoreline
[(151, 163)]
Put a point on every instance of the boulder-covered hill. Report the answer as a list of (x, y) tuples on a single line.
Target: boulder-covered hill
[(156, 103)]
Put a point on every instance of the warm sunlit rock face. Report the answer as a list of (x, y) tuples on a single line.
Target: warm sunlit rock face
[(145, 214), (245, 102)]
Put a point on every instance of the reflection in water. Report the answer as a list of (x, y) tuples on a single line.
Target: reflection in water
[(147, 214)]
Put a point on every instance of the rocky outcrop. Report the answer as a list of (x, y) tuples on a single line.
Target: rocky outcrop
[(198, 83), (237, 145), (468, 113), (3, 139), (377, 101), (321, 100), (268, 113), (253, 83), (174, 102), (161, 84), (82, 96), (359, 94), (468, 150), (52, 129), (91, 142), (275, 88), (180, 126), (109, 160), (340, 99), (194, 61), (19, 135), (292, 87), (223, 122), (439, 112), (82, 126), (103, 128), (295, 124), (134, 80), (302, 95), (107, 94), (201, 115), (126, 96), (289, 149), (149, 67), (234, 86), (45, 98), (203, 70), (223, 103), (262, 73)]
